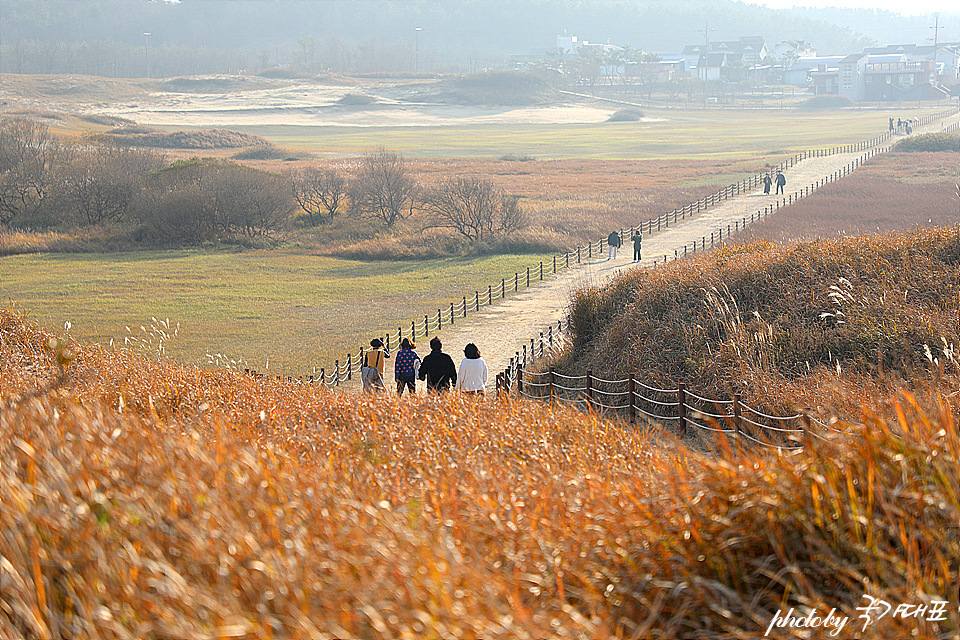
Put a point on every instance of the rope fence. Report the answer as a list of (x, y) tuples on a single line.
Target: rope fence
[(678, 407), (343, 371)]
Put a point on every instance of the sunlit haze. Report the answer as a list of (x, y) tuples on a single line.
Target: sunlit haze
[(896, 6)]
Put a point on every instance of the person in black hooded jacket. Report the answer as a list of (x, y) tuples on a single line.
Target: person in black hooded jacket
[(438, 368)]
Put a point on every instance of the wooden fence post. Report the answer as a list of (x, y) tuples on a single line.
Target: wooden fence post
[(736, 412), (349, 367), (551, 381), (682, 407), (631, 391), (589, 388)]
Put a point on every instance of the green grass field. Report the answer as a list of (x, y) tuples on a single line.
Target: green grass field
[(695, 134), (278, 308)]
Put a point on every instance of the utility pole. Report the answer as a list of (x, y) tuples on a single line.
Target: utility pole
[(706, 58), (936, 32), (146, 51), (416, 48)]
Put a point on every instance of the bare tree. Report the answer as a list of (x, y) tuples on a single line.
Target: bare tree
[(250, 202), (477, 209), (199, 199), (176, 203), (382, 189), (27, 150), (317, 191), (98, 183)]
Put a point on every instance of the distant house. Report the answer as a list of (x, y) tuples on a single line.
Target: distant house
[(824, 80), (802, 71), (947, 57), (887, 77), (708, 60)]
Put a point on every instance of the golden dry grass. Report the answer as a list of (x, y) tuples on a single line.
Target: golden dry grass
[(147, 499), (787, 326)]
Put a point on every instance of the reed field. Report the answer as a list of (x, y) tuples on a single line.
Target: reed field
[(827, 326), (146, 498), (891, 192)]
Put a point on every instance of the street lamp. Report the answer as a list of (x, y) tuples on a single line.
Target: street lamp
[(146, 51), (416, 47)]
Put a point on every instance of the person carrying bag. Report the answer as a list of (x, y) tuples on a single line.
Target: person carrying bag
[(371, 370)]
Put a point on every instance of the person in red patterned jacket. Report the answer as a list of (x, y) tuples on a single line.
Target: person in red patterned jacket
[(406, 367)]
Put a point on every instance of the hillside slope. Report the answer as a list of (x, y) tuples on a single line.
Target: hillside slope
[(783, 325)]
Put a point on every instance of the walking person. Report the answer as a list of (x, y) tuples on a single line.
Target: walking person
[(371, 368), (438, 368), (406, 367), (613, 243), (472, 378), (767, 181), (637, 245), (781, 180)]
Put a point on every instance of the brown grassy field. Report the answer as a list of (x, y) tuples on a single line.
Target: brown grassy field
[(146, 499), (566, 202), (891, 192)]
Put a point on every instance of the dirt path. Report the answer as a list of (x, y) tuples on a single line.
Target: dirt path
[(502, 329)]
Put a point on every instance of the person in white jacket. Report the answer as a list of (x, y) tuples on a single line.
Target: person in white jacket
[(472, 377)]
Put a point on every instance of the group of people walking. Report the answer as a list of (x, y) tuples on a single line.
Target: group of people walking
[(437, 369), (903, 126)]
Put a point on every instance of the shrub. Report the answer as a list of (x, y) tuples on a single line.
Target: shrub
[(929, 142), (265, 152), (356, 100), (625, 115), (200, 139)]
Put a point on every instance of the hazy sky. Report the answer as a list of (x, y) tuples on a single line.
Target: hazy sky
[(906, 7)]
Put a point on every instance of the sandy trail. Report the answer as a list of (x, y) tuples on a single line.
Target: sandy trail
[(502, 329)]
